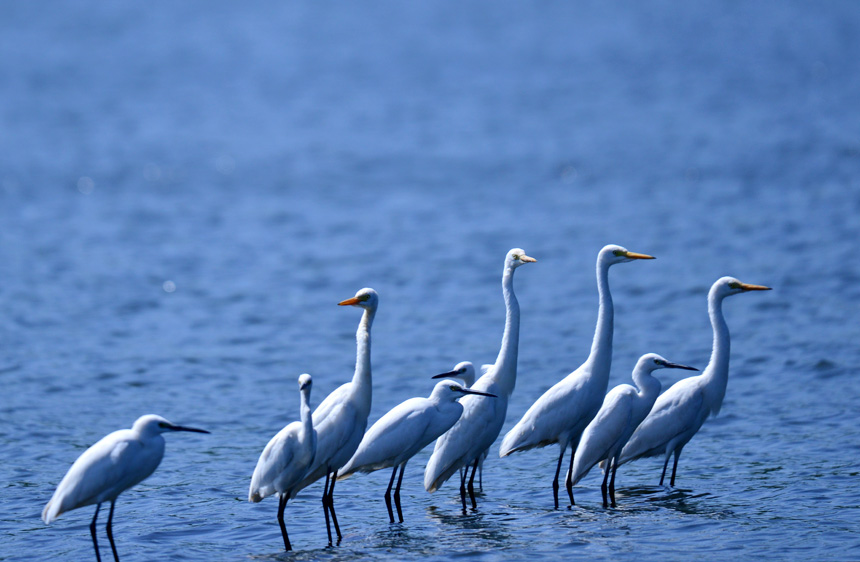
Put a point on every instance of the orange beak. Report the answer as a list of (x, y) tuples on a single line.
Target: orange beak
[(635, 256), (353, 300), (748, 287)]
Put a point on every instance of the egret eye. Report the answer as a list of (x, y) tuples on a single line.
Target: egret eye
[(454, 387), (734, 285), (364, 298), (618, 253), (657, 362), (163, 425)]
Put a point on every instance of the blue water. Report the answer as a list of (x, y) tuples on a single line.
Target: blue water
[(188, 189)]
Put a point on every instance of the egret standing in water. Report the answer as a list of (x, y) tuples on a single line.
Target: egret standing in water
[(623, 409), (561, 414), (465, 444), (680, 411), (465, 371), (405, 430), (286, 458), (114, 464), (340, 420)]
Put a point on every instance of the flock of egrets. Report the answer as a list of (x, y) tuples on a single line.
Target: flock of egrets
[(611, 429)]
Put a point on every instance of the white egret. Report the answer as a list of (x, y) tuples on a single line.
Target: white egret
[(561, 414), (465, 371), (340, 420), (623, 409), (286, 458), (114, 464), (465, 443), (680, 411), (406, 429)]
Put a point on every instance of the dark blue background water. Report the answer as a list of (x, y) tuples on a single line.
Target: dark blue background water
[(187, 189)]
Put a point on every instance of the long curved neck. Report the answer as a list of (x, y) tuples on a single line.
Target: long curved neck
[(601, 346), (717, 373), (506, 362), (305, 413), (362, 379), (648, 385)]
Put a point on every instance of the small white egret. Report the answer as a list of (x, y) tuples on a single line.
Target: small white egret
[(465, 371), (406, 429), (623, 409), (562, 412), (340, 420), (680, 411), (114, 464), (286, 458), (466, 443)]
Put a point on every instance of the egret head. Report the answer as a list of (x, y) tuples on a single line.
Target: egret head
[(152, 424), (612, 254), (725, 286), (651, 362), (517, 257), (464, 371), (365, 298), (305, 382), (449, 391)]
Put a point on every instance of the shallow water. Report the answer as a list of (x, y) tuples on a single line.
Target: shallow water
[(187, 190)]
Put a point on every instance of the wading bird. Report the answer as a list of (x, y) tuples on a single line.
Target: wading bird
[(680, 411), (114, 464), (403, 431), (561, 414), (340, 420), (286, 458), (466, 443), (465, 371), (623, 409)]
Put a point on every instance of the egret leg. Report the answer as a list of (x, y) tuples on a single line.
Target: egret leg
[(675, 467), (612, 481), (325, 507), (331, 506), (555, 480), (397, 493), (603, 485), (110, 531), (568, 480), (388, 495), (472, 483), (463, 474), (93, 532), (665, 465), (481, 475), (282, 504)]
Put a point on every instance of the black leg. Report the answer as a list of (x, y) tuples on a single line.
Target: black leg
[(481, 473), (463, 474), (331, 506), (555, 480), (675, 467), (325, 503), (568, 480), (282, 504), (397, 493), (93, 532), (471, 487), (388, 495), (110, 531), (603, 486), (612, 481), (665, 464)]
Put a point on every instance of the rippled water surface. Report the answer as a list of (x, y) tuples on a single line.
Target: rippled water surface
[(188, 189)]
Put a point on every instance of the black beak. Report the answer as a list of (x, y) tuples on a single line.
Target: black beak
[(677, 366), (453, 374), (192, 429), (467, 391)]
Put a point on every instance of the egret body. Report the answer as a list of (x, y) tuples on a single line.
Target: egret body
[(624, 408), (340, 420), (114, 464), (465, 443), (286, 458), (561, 414), (406, 429), (680, 411)]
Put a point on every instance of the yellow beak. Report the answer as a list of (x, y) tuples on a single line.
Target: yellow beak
[(748, 287), (353, 300), (635, 256), (527, 259)]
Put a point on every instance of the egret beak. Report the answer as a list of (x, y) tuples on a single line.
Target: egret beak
[(192, 429), (467, 391), (527, 259), (635, 256), (353, 300), (677, 366), (449, 374), (748, 287)]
